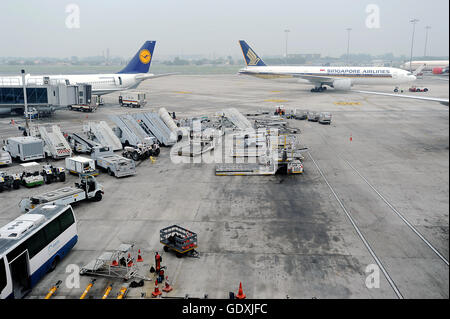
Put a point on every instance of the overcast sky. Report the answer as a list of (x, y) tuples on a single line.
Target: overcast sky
[(213, 27)]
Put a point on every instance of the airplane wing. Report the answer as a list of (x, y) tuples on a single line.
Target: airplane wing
[(423, 98), (152, 76)]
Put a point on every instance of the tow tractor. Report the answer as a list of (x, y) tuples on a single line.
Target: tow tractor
[(53, 174), (9, 181), (87, 189), (141, 152)]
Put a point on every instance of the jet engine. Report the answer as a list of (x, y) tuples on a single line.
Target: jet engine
[(342, 84)]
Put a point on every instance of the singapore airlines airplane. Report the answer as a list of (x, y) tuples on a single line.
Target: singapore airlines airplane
[(339, 78), (128, 78)]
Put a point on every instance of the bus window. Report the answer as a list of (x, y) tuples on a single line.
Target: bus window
[(2, 275), (66, 220), (52, 230), (36, 243)]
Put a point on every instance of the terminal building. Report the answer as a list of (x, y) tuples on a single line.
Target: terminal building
[(43, 97)]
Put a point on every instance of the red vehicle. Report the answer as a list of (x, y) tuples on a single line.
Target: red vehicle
[(416, 89)]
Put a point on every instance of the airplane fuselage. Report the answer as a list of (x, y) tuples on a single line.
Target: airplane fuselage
[(327, 75)]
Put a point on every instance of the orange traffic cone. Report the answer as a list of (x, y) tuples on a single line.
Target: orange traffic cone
[(115, 263), (168, 287), (139, 257), (130, 263), (240, 294), (156, 292)]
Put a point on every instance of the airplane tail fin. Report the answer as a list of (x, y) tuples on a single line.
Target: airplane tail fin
[(251, 58), (140, 63)]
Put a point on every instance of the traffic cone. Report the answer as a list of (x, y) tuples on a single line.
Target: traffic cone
[(351, 138), (240, 294), (139, 257), (156, 292), (130, 263), (115, 263), (168, 287)]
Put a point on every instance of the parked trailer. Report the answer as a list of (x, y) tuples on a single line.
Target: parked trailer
[(56, 145), (132, 99), (154, 125), (115, 165), (25, 148), (88, 188), (130, 132), (81, 165), (101, 133), (180, 240), (81, 143)]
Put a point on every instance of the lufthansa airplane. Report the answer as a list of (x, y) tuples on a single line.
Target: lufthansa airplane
[(128, 78), (340, 78)]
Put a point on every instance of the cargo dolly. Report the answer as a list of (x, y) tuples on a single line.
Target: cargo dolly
[(180, 240)]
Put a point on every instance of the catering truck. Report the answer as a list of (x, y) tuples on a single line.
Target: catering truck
[(25, 148)]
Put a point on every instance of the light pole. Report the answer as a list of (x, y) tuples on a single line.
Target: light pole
[(426, 40), (348, 44), (413, 21), (286, 32), (25, 100)]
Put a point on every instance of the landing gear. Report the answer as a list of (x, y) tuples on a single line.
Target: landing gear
[(319, 89), (396, 89)]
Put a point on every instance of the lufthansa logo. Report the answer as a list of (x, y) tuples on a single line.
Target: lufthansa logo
[(145, 56)]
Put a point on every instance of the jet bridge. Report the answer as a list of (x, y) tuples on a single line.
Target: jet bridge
[(154, 125), (101, 132)]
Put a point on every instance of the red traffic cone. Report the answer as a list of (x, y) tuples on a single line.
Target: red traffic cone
[(351, 138), (130, 263), (115, 263), (168, 287), (156, 292), (139, 257), (240, 294)]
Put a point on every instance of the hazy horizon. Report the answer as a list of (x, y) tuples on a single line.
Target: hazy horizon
[(212, 28)]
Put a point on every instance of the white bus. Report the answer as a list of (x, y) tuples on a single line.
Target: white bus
[(32, 245)]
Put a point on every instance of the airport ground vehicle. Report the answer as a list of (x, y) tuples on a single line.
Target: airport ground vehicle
[(301, 115), (9, 181), (31, 176), (179, 239), (83, 107), (87, 188), (52, 174), (115, 165), (81, 165), (32, 245), (313, 116), (132, 99), (141, 152), (5, 158), (417, 89), (80, 143), (25, 148), (325, 118)]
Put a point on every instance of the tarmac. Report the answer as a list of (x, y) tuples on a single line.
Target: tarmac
[(373, 201)]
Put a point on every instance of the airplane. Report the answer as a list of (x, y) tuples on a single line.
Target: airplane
[(435, 66), (128, 78), (339, 78)]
